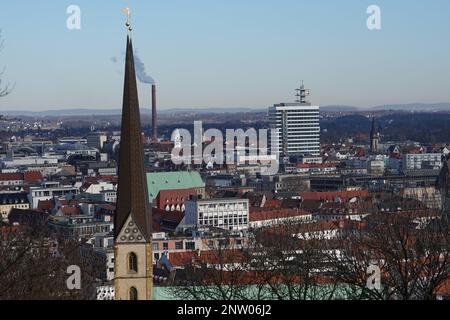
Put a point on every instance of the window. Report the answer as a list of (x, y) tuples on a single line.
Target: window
[(133, 294), (190, 245), (179, 245), (165, 246), (132, 263)]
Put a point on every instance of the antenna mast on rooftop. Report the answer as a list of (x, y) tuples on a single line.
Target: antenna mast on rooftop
[(301, 94)]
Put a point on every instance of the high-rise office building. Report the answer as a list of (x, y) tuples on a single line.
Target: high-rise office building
[(298, 126)]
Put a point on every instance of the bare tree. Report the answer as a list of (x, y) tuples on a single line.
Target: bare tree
[(291, 266), (4, 90), (34, 262), (274, 264), (220, 273), (411, 249)]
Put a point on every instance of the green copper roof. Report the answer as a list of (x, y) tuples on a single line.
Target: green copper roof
[(158, 181)]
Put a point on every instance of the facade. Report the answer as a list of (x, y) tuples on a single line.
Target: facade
[(15, 162), (228, 214), (422, 161), (43, 193), (83, 227), (9, 201), (96, 140), (286, 183), (267, 218), (11, 179), (72, 140), (162, 245), (109, 196), (298, 126), (376, 166), (67, 150), (174, 200), (133, 263)]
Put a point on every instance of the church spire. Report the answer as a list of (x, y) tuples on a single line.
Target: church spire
[(374, 137), (373, 131), (133, 256), (132, 195)]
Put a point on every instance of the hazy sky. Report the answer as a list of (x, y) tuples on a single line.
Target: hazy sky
[(220, 53)]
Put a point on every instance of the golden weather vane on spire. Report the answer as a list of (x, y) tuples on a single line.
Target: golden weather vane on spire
[(127, 12)]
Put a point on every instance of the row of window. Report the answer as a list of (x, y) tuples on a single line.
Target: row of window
[(10, 183), (227, 222), (189, 245), (229, 207), (222, 214)]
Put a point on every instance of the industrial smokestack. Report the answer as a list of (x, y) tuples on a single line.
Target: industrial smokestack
[(154, 115)]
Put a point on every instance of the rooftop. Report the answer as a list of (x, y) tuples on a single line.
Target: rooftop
[(157, 181)]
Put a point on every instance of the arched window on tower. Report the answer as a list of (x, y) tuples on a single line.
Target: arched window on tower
[(133, 294), (132, 263)]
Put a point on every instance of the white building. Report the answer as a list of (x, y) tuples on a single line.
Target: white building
[(105, 293), (376, 166), (28, 161), (72, 140), (108, 196), (229, 214), (280, 217), (298, 126), (422, 161), (97, 188), (49, 192)]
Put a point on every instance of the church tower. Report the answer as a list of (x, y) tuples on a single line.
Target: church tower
[(132, 225), (374, 138)]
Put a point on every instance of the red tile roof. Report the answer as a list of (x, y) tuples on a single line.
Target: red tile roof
[(331, 196), (273, 203), (33, 176), (161, 217), (70, 211), (10, 176), (262, 215), (181, 259), (94, 180), (45, 205)]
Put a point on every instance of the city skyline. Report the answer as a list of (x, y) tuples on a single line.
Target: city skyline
[(229, 54), (304, 201)]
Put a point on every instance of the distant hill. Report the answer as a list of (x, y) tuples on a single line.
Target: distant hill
[(338, 108), (416, 107), (105, 112), (67, 112)]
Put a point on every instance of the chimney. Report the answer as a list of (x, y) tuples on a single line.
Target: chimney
[(154, 128)]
